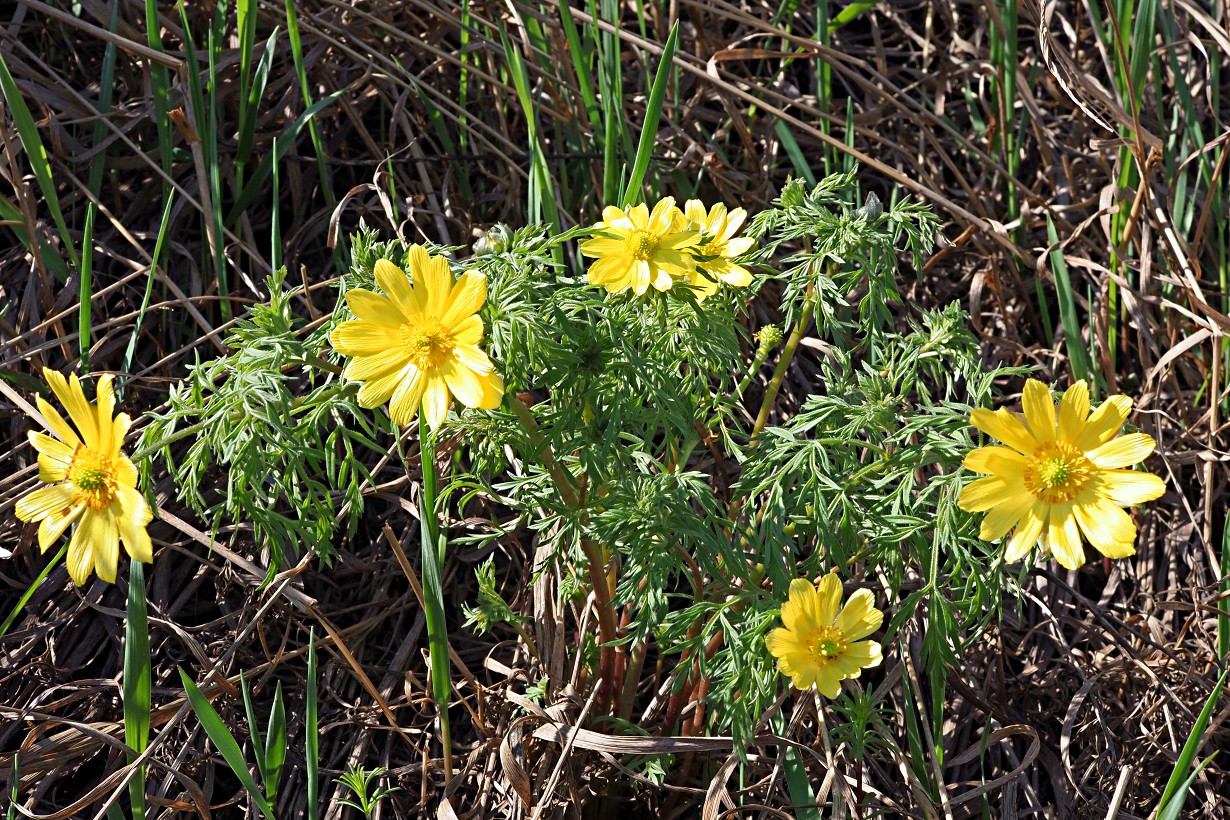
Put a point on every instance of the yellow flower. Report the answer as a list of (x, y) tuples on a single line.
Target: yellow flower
[(91, 483), (821, 645), (419, 343), (1060, 473), (719, 247), (640, 249)]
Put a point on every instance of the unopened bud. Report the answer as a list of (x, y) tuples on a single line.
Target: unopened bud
[(496, 240), (769, 337), (871, 209)]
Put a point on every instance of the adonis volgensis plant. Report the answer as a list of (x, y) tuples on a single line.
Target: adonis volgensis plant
[(628, 414)]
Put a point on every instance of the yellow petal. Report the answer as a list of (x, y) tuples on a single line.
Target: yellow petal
[(1062, 538), (56, 423), (378, 390), (88, 548), (859, 617), (1073, 412), (493, 391), (863, 655), (663, 216), (392, 280), (828, 681), (407, 398), (466, 298), (597, 247), (827, 600), (610, 272), (1005, 516), (1001, 461), (55, 524), (125, 471), (984, 493), (104, 391), (51, 470), (1028, 531), (372, 307), (362, 368), (463, 383), (134, 515), (106, 545), (433, 280), (1107, 527), (40, 503), (1128, 487), (119, 431), (52, 448), (1039, 409), (435, 401), (640, 275), (660, 278), (1006, 427), (783, 642), (1104, 423), (800, 612), (469, 331), (71, 395), (361, 338), (1123, 451)]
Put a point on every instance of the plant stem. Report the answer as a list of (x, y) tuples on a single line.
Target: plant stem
[(433, 595), (783, 364), (595, 556)]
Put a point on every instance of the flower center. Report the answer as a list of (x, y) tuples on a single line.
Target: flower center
[(1057, 472), (92, 477), (641, 244), (827, 644), (427, 344)]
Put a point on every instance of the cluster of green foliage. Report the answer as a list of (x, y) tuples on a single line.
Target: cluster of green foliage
[(624, 437)]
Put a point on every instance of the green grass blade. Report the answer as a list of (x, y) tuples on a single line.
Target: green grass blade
[(800, 163), (1078, 354), (799, 784), (33, 588), (653, 113), (137, 677), (296, 50), (85, 289), (254, 729), (160, 84), (1173, 810), (434, 546), (149, 289), (275, 745), (225, 743), (580, 64), (1187, 755), (312, 764), (12, 215), (249, 106), (541, 195), (286, 141), (27, 132)]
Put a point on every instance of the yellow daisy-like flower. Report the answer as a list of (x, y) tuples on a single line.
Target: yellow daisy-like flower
[(719, 247), (419, 343), (820, 644), (1060, 475), (91, 483), (640, 248)]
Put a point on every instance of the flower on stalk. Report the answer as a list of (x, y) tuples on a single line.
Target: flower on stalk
[(821, 645), (719, 247), (91, 483), (638, 248), (418, 342), (1060, 475)]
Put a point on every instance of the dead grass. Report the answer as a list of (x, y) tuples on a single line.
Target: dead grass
[(1079, 699)]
